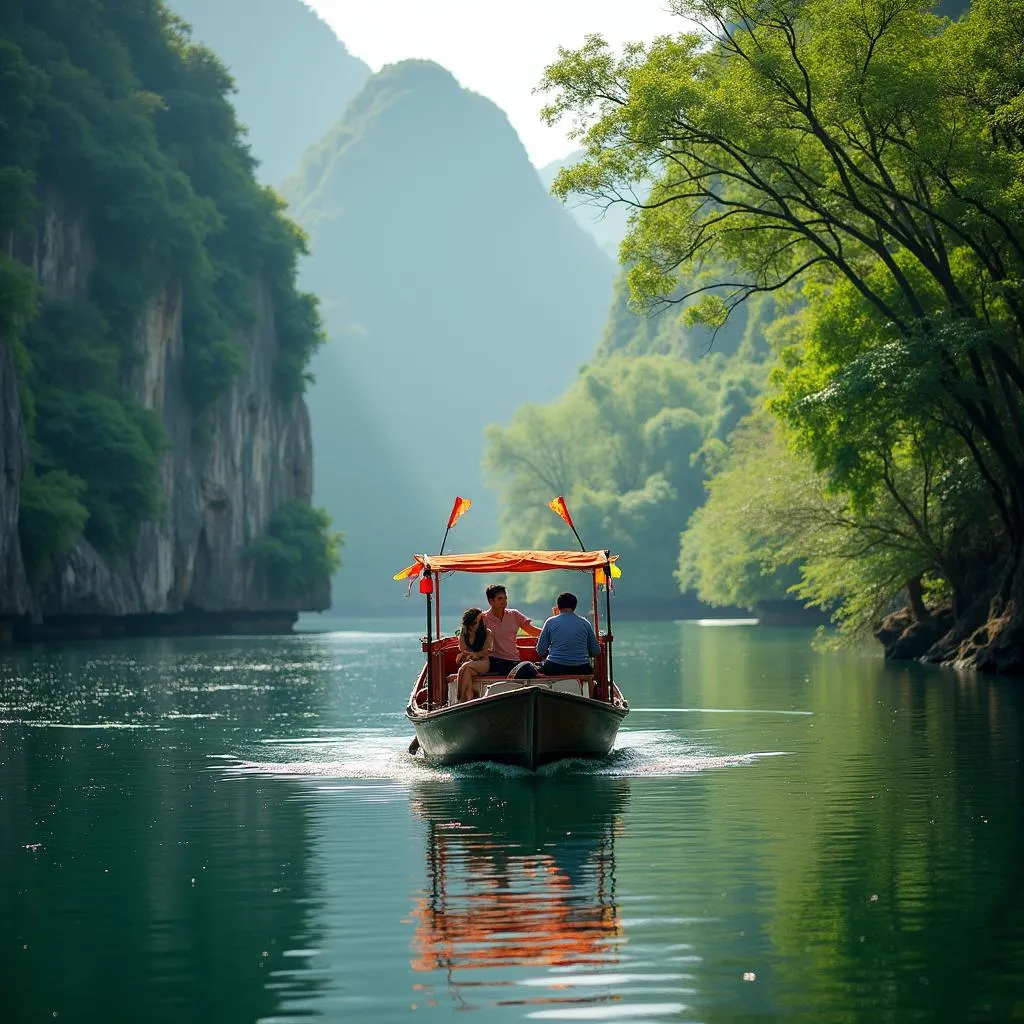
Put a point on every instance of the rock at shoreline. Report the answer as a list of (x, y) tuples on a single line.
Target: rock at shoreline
[(987, 635), (904, 638)]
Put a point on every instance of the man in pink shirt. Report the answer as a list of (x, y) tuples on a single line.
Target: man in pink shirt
[(505, 623)]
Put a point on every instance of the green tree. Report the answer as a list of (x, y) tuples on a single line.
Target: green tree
[(86, 427), (620, 445), (51, 517), (868, 152), (299, 550), (774, 526)]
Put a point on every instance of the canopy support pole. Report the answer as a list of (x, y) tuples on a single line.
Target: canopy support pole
[(608, 626), (437, 605), (430, 649)]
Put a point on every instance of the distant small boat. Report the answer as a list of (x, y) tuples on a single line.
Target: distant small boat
[(524, 722)]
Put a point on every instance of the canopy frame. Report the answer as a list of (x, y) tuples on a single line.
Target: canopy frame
[(489, 562), (493, 562)]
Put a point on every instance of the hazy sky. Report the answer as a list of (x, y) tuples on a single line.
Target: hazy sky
[(494, 47)]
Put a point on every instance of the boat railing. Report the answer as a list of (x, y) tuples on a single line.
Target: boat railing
[(443, 652)]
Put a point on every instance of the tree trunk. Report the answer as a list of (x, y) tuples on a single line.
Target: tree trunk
[(916, 595), (999, 645), (985, 631), (990, 636)]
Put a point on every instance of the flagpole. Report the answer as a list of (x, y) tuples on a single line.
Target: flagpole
[(608, 623), (445, 540)]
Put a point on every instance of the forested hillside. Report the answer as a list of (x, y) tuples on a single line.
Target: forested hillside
[(293, 76), (880, 214), (153, 345), (453, 289)]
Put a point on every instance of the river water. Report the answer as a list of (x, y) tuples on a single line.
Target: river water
[(229, 829)]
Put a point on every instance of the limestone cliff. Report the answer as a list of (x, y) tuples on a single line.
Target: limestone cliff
[(219, 485), (155, 455), (14, 596)]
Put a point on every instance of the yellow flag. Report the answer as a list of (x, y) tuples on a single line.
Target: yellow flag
[(600, 576)]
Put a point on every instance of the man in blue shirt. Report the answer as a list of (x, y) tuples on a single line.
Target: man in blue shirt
[(567, 642)]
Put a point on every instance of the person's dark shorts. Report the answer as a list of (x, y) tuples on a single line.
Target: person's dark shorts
[(552, 668), (500, 666), (524, 670)]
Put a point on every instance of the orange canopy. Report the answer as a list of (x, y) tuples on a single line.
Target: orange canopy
[(510, 561)]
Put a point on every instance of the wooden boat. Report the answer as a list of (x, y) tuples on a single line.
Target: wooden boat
[(528, 722)]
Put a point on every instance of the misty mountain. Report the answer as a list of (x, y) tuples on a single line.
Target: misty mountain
[(453, 289), (294, 76)]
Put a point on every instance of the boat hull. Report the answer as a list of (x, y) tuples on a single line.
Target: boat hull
[(528, 727)]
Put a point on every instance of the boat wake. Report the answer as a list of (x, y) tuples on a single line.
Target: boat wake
[(379, 755)]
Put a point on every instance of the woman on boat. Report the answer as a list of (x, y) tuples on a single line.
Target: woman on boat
[(475, 642)]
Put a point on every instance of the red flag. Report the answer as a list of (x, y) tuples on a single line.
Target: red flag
[(557, 505), (460, 507)]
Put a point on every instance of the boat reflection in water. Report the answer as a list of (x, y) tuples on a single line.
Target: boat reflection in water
[(520, 873)]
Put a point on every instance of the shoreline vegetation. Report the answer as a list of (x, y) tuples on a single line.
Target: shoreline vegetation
[(848, 174)]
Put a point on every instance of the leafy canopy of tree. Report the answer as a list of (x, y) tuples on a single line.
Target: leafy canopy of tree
[(83, 420), (624, 445), (669, 331), (867, 152), (110, 106), (772, 526), (299, 549)]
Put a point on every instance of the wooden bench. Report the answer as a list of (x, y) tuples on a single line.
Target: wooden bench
[(583, 684)]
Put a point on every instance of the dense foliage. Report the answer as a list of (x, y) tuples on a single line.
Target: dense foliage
[(860, 159), (625, 445), (113, 113), (299, 550)]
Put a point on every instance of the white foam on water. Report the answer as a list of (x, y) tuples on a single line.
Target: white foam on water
[(364, 635), (380, 755)]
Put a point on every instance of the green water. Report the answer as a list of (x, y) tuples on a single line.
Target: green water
[(231, 830)]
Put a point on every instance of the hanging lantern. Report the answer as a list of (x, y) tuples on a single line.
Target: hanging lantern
[(426, 584)]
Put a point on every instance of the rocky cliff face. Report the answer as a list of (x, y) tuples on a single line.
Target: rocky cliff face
[(220, 482), (14, 596)]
